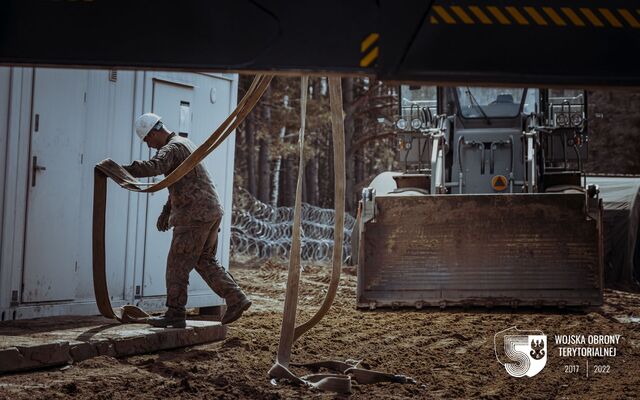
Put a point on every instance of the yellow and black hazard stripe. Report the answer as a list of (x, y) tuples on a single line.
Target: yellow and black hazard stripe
[(369, 50), (545, 16)]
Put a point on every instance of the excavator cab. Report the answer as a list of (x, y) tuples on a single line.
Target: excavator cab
[(490, 206)]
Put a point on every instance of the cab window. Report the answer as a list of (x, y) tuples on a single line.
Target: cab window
[(481, 102)]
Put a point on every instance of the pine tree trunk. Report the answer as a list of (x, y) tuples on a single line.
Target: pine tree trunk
[(264, 170), (291, 178), (328, 177), (359, 161), (349, 129), (311, 180), (264, 175), (249, 152), (277, 185), (281, 200)]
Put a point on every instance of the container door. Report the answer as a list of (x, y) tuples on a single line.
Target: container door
[(53, 209), (173, 103)]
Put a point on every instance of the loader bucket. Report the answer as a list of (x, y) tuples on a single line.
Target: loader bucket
[(482, 250)]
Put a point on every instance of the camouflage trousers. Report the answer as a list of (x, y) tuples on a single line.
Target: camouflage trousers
[(195, 246)]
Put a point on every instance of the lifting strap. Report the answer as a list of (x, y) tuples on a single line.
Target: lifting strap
[(110, 169), (339, 382), (346, 371)]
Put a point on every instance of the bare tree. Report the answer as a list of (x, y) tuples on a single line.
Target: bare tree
[(264, 169), (349, 129), (368, 146), (250, 146)]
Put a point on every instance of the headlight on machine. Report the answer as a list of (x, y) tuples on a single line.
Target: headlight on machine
[(562, 119), (576, 119)]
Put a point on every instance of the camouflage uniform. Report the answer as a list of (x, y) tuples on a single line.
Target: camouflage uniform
[(195, 214)]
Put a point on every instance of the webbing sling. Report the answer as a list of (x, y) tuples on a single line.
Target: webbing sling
[(348, 370), (340, 383), (110, 169)]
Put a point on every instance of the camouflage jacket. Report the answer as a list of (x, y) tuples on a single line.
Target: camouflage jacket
[(193, 199)]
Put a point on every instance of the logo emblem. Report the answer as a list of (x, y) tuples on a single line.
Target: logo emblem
[(522, 352), (499, 183)]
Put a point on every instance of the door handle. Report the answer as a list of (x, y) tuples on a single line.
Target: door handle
[(35, 169)]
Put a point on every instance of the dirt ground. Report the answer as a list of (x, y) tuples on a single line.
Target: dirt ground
[(448, 352)]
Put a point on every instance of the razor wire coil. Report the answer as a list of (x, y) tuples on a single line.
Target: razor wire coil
[(260, 231)]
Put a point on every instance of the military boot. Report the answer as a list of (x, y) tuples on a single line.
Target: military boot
[(235, 309), (172, 318)]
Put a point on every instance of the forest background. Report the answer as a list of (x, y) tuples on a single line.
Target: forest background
[(267, 142)]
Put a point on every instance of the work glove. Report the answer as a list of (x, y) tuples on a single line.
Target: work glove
[(163, 219)]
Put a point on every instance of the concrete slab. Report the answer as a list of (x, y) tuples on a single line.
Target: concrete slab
[(39, 343)]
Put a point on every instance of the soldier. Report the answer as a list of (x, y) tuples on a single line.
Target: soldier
[(194, 211)]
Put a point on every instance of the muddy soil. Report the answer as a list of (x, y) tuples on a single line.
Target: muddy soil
[(450, 353)]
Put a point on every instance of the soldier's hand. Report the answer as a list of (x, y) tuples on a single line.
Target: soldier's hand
[(163, 222)]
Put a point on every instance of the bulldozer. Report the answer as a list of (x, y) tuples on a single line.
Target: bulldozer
[(490, 207)]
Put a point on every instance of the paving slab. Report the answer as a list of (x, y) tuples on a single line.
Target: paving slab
[(47, 342)]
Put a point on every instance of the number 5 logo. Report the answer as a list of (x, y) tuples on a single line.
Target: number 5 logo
[(522, 352)]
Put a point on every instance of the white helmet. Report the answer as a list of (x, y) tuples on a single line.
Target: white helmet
[(145, 123)]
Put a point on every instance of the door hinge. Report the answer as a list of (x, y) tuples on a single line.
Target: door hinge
[(37, 123), (137, 296), (85, 97)]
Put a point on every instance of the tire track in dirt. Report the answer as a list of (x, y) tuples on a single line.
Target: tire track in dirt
[(450, 352)]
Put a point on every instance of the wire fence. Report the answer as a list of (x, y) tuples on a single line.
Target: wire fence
[(260, 231)]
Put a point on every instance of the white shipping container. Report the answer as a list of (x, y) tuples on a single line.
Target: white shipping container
[(55, 125)]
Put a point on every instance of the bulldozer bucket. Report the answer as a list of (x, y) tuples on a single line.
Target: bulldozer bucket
[(481, 250)]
